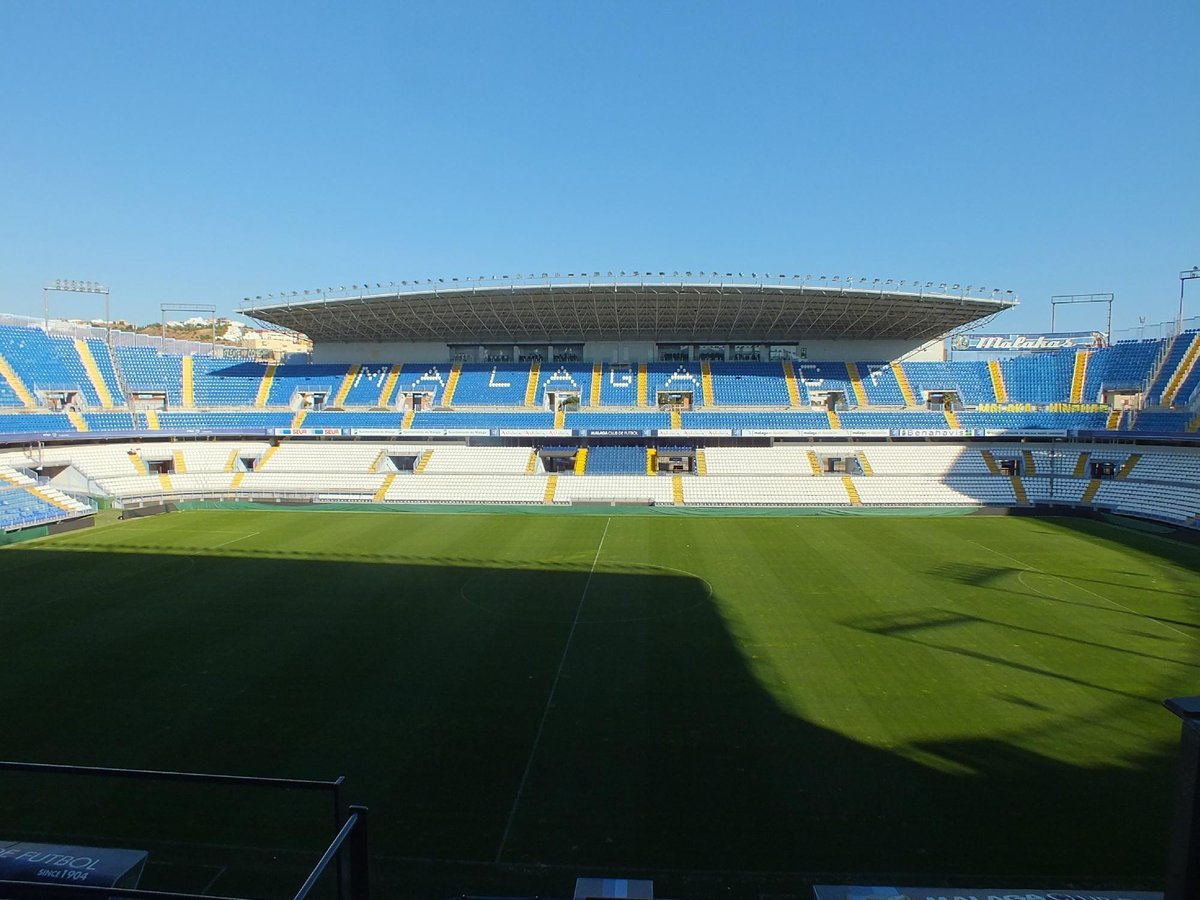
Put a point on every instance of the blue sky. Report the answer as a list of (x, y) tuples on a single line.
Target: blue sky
[(205, 152)]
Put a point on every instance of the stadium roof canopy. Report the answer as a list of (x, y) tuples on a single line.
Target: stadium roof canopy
[(596, 309)]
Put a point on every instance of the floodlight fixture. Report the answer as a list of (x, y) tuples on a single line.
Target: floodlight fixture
[(1184, 276)]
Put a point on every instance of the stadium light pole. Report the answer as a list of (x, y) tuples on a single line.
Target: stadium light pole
[(72, 286), (1186, 275)]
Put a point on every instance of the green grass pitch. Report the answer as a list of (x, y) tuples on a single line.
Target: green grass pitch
[(736, 705)]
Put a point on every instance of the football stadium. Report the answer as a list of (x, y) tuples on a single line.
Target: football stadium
[(739, 584)]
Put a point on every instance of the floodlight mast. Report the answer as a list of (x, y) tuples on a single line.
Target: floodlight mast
[(1060, 299), (188, 307), (1186, 275), (72, 286)]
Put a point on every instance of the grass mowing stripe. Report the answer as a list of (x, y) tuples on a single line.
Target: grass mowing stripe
[(851, 694), (1080, 587), (512, 813)]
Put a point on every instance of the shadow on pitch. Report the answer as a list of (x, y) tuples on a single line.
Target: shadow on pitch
[(428, 686)]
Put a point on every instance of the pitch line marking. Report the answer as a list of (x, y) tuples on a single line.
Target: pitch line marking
[(235, 540), (1029, 568), (537, 738)]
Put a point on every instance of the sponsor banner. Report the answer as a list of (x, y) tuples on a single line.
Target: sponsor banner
[(1013, 343), (67, 865), (1026, 432), (613, 432), (936, 432), (535, 432), (376, 432), (868, 892), (694, 432), (812, 432), (335, 432), (450, 432)]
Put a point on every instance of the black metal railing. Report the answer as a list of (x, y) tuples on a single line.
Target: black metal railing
[(350, 838)]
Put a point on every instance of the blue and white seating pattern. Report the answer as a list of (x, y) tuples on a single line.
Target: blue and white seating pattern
[(1178, 351), (1039, 377), (421, 378), (145, 369), (492, 384), (367, 386), (880, 384), (1126, 364), (674, 377), (826, 376), (223, 382), (749, 384), (604, 460), (290, 380), (569, 378), (969, 379)]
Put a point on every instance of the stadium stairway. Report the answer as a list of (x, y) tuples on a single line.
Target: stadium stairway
[(706, 383), (951, 418), (339, 399), (1089, 492), (1081, 464), (451, 384), (266, 457), (642, 381), (180, 462), (651, 461), (152, 419), (231, 463), (188, 381), (677, 489), (77, 420), (1124, 471), (423, 462), (998, 380), (560, 418), (676, 419), (551, 486), (1019, 490), (1194, 425), (701, 462), (531, 466), (814, 462), (17, 385), (164, 481), (1079, 376), (851, 491), (531, 386), (237, 481), (833, 419), (264, 387), (389, 388), (1114, 420), (1030, 466), (910, 400), (793, 389), (381, 494), (93, 373), (597, 380), (298, 418), (860, 392), (1182, 371), (863, 462), (139, 464), (406, 422), (581, 461), (990, 461)]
